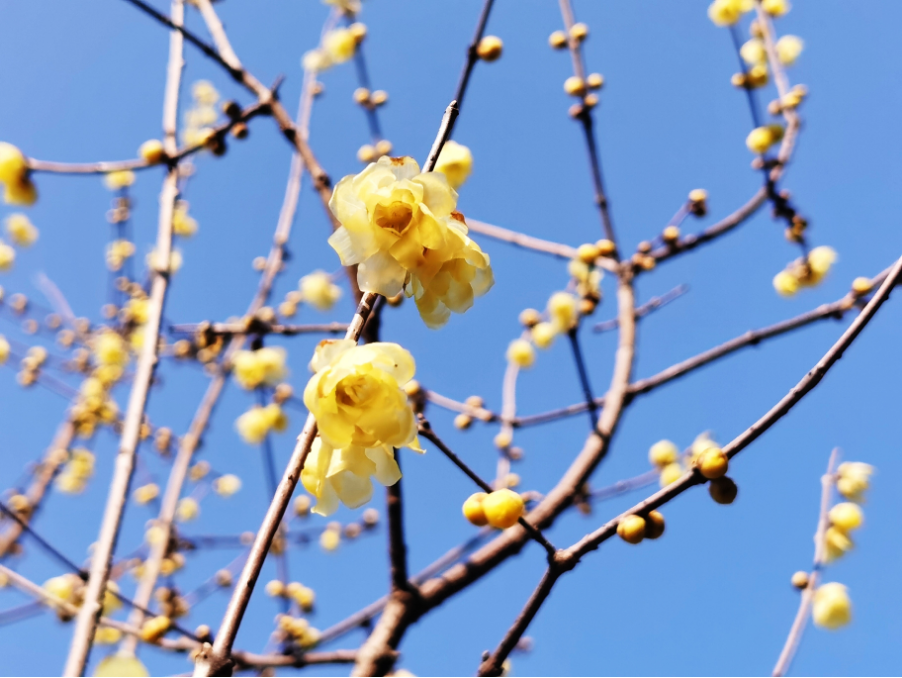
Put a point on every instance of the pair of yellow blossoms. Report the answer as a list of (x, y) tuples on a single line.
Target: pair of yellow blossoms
[(401, 229)]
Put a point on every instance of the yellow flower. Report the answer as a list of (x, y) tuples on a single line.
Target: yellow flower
[(753, 52), (255, 424), (110, 349), (455, 162), (702, 443), (786, 283), (155, 261), (728, 12), (330, 539), (854, 479), (846, 516), (204, 93), (401, 229), (107, 635), (473, 511), (63, 587), (227, 485), (775, 7), (117, 252), (152, 152), (20, 230), (820, 259), (345, 475), (502, 508), (832, 607), (713, 463), (670, 474), (139, 309), (562, 310), (543, 334), (356, 395), (265, 366), (4, 349), (489, 48), (119, 179), (182, 224), (631, 529), (762, 138), (663, 453), (146, 493), (187, 509), (339, 45), (318, 289), (836, 543), (789, 47), (7, 256), (155, 628), (124, 665), (315, 60), (14, 176), (521, 353)]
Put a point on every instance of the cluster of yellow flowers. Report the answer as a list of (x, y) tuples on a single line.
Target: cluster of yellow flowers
[(22, 233), (362, 413), (299, 630), (338, 46), (705, 455), (200, 118), (122, 664), (14, 175), (304, 596), (263, 367), (254, 425), (401, 229), (94, 405), (501, 509), (728, 12), (806, 272), (117, 251), (852, 481), (77, 472)]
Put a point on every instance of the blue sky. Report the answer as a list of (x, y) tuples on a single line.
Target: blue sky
[(83, 81)]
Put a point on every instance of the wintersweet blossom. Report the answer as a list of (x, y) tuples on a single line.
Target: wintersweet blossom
[(254, 425), (119, 179), (728, 12), (789, 47), (227, 485), (19, 189), (853, 480), (124, 665), (663, 453), (521, 353), (401, 228), (20, 230), (455, 162), (340, 44), (832, 607), (265, 366), (7, 256), (4, 349), (318, 289), (805, 272)]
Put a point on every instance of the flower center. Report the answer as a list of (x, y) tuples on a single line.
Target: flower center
[(395, 216)]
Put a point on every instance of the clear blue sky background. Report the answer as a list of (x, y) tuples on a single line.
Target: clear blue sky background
[(83, 81)]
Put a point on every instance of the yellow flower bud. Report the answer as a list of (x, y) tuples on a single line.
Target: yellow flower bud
[(503, 440), (728, 12), (800, 579), (654, 525), (366, 153), (543, 334), (119, 179), (760, 139), (846, 516), (595, 81), (575, 86), (775, 7), (631, 529), (713, 463), (753, 52), (339, 45), (671, 234), (274, 588), (463, 421), (579, 31), (521, 353), (530, 317), (670, 474), (7, 256), (837, 543), (122, 665), (832, 607), (383, 147), (330, 539), (358, 30), (473, 510), (227, 485), (861, 285), (789, 47), (853, 480), (786, 283), (489, 48), (562, 309), (106, 635), (318, 289), (723, 490), (302, 505), (152, 152), (456, 162), (155, 628), (187, 509), (502, 508), (20, 230), (587, 253), (663, 453), (557, 40)]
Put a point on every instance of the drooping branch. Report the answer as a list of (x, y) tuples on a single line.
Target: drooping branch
[(828, 480)]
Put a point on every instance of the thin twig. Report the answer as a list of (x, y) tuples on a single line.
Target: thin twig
[(521, 239), (807, 595), (89, 613), (472, 55), (652, 304), (584, 376), (397, 547)]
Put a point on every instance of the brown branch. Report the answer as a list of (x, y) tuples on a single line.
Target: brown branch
[(43, 476), (260, 661), (807, 594), (255, 326), (105, 167), (567, 559), (397, 548), (89, 613)]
